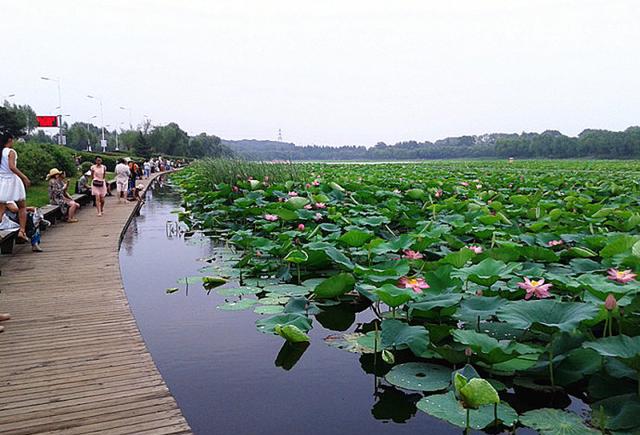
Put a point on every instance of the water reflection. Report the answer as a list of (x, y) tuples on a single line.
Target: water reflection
[(229, 378)]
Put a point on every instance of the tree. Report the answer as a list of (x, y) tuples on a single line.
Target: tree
[(141, 146), (11, 122)]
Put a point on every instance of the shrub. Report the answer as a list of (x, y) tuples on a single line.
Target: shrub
[(35, 160)]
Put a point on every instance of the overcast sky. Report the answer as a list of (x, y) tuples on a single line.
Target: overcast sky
[(330, 72)]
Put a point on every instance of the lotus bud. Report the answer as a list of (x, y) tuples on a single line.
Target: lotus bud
[(300, 227), (610, 302), (468, 352)]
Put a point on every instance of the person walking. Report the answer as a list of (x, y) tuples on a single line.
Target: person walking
[(99, 184), (147, 169), (13, 183), (122, 180)]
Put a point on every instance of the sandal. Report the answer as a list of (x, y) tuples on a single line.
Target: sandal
[(4, 316), (72, 221), (23, 236)]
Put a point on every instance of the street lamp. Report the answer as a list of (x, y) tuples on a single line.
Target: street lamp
[(103, 143), (129, 109), (59, 83), (89, 134)]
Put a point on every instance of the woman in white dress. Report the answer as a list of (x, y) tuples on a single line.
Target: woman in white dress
[(13, 183)]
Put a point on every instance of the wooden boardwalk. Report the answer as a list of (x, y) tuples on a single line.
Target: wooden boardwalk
[(72, 360)]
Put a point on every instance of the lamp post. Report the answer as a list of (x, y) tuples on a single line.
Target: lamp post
[(128, 109), (103, 143), (89, 134), (58, 81)]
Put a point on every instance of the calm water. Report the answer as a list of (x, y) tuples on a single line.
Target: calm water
[(227, 377)]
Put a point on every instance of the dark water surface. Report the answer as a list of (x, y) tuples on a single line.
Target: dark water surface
[(223, 372)]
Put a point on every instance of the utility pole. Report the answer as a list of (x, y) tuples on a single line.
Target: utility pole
[(59, 83)]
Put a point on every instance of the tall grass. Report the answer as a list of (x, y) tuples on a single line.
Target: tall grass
[(215, 171)]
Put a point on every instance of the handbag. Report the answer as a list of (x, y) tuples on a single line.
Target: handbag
[(97, 183)]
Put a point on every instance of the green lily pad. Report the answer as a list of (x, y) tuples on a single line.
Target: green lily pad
[(621, 411), (190, 280), (335, 286), (565, 316), (549, 421), (419, 376), (448, 408), (427, 306), (242, 304), (351, 342), (491, 350), (268, 309), (620, 346), (356, 238), (287, 290), (394, 296), (238, 291), (487, 272), (483, 307), (399, 335)]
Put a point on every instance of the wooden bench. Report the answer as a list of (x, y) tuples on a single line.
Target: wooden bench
[(8, 240)]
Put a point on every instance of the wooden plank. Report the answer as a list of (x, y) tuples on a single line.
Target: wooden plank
[(71, 358)]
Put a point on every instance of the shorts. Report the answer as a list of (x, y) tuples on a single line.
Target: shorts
[(122, 186)]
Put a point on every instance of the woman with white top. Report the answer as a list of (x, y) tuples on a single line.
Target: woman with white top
[(13, 183)]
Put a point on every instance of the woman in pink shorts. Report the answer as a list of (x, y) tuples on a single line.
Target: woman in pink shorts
[(99, 184)]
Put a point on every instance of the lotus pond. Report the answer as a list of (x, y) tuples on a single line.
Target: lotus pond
[(483, 295)]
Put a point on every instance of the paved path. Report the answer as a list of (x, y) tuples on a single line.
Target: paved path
[(72, 360)]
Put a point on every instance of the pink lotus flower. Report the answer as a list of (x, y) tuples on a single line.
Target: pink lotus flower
[(293, 193), (412, 255), (249, 178), (535, 288), (300, 227), (316, 183), (258, 253), (439, 193), (621, 276), (475, 248), (266, 178), (610, 302), (317, 217), (308, 186), (271, 217), (308, 207), (236, 189), (464, 183), (555, 243), (320, 205), (478, 186), (415, 284), (280, 199)]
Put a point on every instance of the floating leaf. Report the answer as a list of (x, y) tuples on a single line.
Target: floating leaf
[(447, 407), (242, 304), (268, 309), (190, 280), (171, 290), (549, 421), (419, 376)]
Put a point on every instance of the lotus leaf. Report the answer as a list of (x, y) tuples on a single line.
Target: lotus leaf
[(419, 376), (447, 407), (565, 316), (549, 421), (269, 324), (399, 335)]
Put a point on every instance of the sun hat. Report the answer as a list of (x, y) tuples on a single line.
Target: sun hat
[(88, 173), (53, 172)]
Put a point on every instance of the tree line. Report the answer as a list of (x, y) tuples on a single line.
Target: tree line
[(549, 144), (145, 140)]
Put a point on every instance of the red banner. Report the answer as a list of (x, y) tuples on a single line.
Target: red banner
[(47, 121)]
